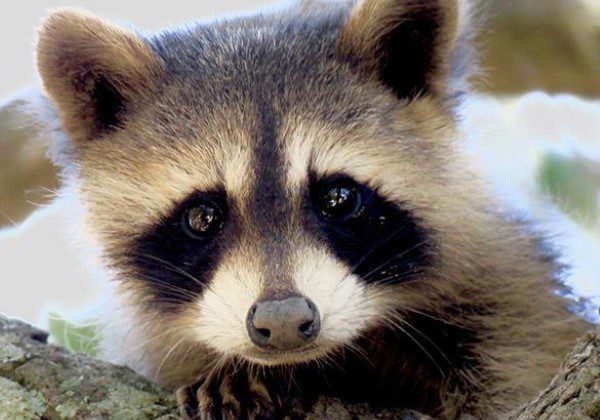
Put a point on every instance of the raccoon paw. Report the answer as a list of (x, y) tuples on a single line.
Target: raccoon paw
[(228, 397)]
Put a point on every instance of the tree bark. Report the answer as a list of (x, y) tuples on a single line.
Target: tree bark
[(40, 380), (574, 393)]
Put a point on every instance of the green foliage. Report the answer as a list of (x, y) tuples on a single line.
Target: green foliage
[(76, 338), (574, 184)]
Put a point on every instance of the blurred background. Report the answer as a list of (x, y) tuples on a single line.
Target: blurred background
[(552, 46)]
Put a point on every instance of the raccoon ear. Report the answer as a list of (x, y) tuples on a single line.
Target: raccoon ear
[(407, 45), (93, 71)]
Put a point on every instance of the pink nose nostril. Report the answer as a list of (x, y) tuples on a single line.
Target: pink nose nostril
[(283, 324)]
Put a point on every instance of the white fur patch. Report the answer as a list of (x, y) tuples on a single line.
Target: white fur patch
[(346, 305), (223, 307)]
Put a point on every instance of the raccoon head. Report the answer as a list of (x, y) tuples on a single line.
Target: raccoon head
[(268, 188)]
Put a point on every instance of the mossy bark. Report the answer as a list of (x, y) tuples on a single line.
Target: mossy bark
[(40, 380), (574, 393)]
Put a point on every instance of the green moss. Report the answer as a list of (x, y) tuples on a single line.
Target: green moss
[(594, 412), (126, 402), (9, 352), (66, 411), (19, 403)]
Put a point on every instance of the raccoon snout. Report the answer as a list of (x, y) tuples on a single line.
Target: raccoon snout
[(283, 324)]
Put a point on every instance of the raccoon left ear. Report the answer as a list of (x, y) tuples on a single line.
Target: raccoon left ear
[(93, 71), (408, 45)]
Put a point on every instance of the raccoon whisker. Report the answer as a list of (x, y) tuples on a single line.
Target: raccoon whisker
[(170, 301), (223, 363), (183, 294), (430, 341), (359, 352), (176, 290), (156, 337), (261, 370), (374, 247), (291, 373), (325, 362), (332, 361), (186, 356), (395, 276), (174, 268), (196, 280), (445, 321), (404, 278), (232, 365), (350, 271), (258, 370), (238, 365), (248, 367), (423, 349), (151, 321), (328, 357), (389, 260), (172, 289), (319, 364), (283, 372), (212, 366), (252, 368), (166, 357), (162, 282)]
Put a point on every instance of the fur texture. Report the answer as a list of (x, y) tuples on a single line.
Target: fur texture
[(462, 314)]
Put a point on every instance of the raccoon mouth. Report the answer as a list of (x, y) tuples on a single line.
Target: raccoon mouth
[(279, 357)]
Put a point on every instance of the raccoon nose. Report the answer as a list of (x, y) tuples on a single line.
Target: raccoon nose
[(283, 324)]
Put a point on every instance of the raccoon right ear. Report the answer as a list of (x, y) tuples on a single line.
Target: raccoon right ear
[(93, 71), (411, 46)]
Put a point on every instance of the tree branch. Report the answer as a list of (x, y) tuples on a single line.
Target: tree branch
[(40, 380)]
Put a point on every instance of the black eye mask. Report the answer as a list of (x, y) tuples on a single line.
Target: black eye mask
[(177, 257), (379, 240)]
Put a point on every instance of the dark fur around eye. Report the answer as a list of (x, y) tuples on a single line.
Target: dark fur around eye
[(175, 264), (383, 243)]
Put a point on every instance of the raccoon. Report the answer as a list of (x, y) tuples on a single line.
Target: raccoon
[(280, 209)]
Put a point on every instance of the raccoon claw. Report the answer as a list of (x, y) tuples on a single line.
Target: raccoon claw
[(226, 398), (187, 401), (260, 402), (230, 405)]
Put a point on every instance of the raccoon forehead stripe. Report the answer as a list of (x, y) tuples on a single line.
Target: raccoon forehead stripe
[(270, 206)]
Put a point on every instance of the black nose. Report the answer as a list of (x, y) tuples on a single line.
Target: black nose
[(283, 324)]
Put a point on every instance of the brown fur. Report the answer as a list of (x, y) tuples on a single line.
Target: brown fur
[(491, 327), (74, 49), (372, 21)]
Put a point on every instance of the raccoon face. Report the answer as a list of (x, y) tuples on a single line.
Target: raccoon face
[(267, 188)]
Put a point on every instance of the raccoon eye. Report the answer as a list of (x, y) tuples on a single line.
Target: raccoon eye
[(339, 201), (203, 220)]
